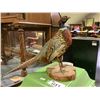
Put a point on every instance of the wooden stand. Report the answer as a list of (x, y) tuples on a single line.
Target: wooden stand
[(3, 40), (66, 74)]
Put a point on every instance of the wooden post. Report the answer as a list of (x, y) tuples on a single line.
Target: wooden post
[(3, 33), (49, 32), (22, 50)]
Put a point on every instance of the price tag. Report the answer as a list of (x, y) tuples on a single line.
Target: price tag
[(94, 43), (54, 83), (42, 79)]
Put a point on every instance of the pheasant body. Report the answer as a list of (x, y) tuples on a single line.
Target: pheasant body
[(52, 46)]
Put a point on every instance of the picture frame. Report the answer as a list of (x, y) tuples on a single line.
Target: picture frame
[(89, 22)]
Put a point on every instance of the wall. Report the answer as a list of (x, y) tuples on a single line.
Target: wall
[(96, 16), (76, 18)]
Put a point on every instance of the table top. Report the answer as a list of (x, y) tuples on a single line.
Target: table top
[(40, 79)]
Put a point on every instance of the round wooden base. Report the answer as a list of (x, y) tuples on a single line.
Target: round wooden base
[(67, 73)]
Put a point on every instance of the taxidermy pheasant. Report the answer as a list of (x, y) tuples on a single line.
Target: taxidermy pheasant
[(53, 49)]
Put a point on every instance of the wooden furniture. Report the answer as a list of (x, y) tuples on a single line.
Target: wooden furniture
[(26, 17), (55, 17), (16, 24), (21, 22)]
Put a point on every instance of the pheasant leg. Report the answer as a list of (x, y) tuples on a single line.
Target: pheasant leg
[(60, 64)]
